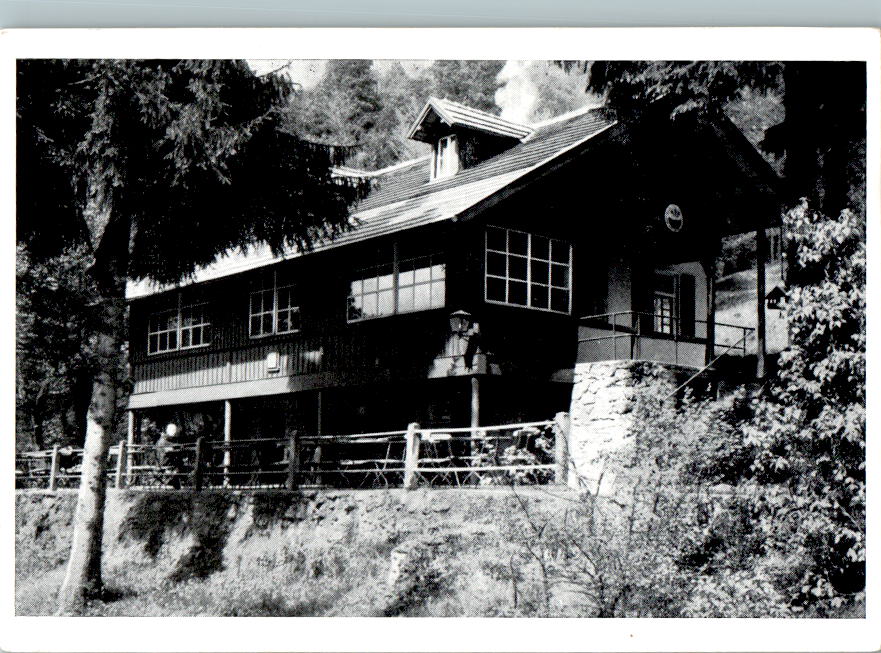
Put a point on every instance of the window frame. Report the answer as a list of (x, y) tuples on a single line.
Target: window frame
[(275, 309), (396, 286), (529, 261), (450, 158), (178, 311)]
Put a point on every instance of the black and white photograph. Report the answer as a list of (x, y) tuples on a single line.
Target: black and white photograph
[(441, 337)]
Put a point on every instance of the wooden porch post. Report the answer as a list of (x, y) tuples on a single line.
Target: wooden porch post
[(474, 449), (761, 255), (561, 448), (54, 468), (710, 269), (133, 436), (121, 457), (411, 456), (227, 440), (319, 398), (475, 404)]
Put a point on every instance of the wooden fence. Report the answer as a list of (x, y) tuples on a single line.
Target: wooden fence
[(533, 453)]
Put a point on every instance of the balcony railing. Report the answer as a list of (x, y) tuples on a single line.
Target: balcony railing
[(639, 335)]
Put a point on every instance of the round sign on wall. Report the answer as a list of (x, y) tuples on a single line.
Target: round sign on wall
[(673, 217)]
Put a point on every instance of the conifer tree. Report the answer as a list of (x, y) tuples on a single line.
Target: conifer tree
[(154, 168)]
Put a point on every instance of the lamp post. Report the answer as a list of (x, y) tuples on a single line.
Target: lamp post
[(461, 322), (462, 325)]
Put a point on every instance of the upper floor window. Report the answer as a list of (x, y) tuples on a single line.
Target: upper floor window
[(445, 162), (274, 307), (529, 270), (183, 327), (397, 285)]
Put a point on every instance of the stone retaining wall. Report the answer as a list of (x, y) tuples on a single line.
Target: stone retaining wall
[(601, 412)]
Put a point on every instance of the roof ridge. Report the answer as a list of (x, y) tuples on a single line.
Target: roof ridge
[(564, 116), (470, 108), (358, 172)]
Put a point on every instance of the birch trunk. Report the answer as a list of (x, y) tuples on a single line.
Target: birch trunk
[(83, 577), (110, 235)]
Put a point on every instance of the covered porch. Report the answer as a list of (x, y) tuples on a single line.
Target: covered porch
[(660, 338)]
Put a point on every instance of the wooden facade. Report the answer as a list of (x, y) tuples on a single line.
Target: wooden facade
[(607, 201)]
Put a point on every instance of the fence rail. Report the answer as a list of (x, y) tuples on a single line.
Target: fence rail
[(530, 453)]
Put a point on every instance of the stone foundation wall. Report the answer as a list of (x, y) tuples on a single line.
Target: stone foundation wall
[(601, 415)]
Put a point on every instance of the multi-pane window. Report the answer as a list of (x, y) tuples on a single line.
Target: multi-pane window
[(664, 313), (274, 308), (183, 327), (446, 158), (673, 304), (397, 286), (529, 270)]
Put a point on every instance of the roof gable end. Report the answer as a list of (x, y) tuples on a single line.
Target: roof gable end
[(452, 114)]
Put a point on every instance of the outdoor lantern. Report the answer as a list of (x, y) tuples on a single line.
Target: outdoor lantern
[(460, 322)]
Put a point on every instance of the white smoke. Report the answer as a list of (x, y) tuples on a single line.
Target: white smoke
[(518, 94)]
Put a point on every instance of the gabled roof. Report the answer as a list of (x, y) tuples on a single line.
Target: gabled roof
[(404, 197), (454, 114)]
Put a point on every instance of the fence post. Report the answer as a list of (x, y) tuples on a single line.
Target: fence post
[(53, 469), (561, 448), (197, 469), (411, 456), (120, 465), (293, 461)]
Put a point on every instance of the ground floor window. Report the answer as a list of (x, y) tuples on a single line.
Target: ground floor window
[(673, 304)]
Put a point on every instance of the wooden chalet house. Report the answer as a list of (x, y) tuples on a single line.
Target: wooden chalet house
[(460, 295)]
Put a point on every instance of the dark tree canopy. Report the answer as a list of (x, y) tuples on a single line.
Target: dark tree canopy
[(821, 138), (190, 151)]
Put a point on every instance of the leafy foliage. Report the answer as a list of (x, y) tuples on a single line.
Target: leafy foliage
[(679, 87), (810, 426)]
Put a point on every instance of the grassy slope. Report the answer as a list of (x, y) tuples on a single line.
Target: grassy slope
[(283, 554)]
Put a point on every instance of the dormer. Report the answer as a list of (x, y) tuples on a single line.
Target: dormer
[(462, 137)]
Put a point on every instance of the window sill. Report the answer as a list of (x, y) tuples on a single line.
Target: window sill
[(264, 336), (374, 318), (495, 302)]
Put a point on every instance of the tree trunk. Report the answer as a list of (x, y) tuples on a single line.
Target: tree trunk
[(110, 241), (83, 577)]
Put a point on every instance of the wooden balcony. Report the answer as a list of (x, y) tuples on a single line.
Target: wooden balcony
[(296, 363), (634, 335)]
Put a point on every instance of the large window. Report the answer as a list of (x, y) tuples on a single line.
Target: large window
[(529, 270), (396, 285), (183, 327), (274, 307)]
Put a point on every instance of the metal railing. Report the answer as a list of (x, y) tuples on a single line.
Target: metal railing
[(641, 335), (532, 453)]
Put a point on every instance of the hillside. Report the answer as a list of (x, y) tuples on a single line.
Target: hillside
[(328, 553)]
